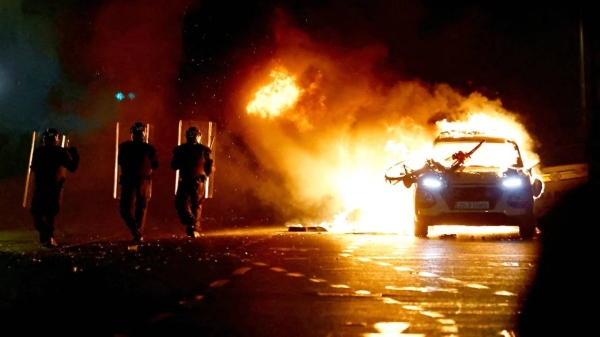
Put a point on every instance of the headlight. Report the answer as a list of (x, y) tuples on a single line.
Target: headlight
[(512, 182), (431, 182)]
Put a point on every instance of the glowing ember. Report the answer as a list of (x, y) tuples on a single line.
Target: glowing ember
[(275, 98)]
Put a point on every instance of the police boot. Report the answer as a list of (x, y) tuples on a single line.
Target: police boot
[(51, 243), (137, 236), (44, 237), (192, 232)]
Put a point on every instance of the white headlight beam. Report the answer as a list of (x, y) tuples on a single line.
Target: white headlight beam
[(512, 182)]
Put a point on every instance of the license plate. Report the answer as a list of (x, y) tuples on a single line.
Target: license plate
[(472, 205)]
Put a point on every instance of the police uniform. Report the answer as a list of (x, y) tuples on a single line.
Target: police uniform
[(195, 163), (49, 164), (137, 160)]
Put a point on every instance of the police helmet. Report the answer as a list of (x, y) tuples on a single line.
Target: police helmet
[(138, 128), (50, 136), (193, 134)]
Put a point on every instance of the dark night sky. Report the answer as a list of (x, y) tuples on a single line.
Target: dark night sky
[(61, 63), (526, 57)]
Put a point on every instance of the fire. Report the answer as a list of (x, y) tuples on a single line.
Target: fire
[(349, 164), (500, 125), (495, 124), (275, 98)]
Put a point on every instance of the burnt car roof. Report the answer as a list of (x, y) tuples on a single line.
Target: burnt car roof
[(470, 136), (488, 139)]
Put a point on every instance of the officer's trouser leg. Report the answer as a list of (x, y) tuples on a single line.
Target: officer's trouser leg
[(141, 205), (127, 206), (196, 204), (39, 222), (183, 203), (44, 209)]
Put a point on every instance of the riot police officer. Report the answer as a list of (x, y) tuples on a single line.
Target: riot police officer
[(195, 163), (137, 160), (49, 164)]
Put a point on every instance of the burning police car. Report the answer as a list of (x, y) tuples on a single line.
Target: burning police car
[(472, 179)]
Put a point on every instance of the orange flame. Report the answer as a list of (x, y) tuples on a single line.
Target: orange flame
[(495, 124), (275, 98), (350, 162)]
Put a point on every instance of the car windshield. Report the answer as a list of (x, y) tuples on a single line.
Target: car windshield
[(489, 154)]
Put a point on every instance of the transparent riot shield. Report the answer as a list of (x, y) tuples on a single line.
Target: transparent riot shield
[(123, 134), (29, 180), (209, 132)]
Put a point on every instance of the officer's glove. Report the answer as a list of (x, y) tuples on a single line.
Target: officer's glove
[(74, 157), (73, 151)]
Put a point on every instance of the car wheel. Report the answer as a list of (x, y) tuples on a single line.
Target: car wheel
[(421, 228), (527, 228), (537, 187)]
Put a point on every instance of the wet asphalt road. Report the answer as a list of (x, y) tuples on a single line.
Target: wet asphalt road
[(269, 282)]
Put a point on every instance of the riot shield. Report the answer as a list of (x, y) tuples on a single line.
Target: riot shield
[(29, 180), (123, 134), (209, 132)]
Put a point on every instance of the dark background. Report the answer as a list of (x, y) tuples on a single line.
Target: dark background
[(62, 62)]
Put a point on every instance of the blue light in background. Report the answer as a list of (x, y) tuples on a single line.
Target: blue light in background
[(131, 96), (120, 96)]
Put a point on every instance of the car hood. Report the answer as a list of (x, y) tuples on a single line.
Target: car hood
[(475, 176)]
